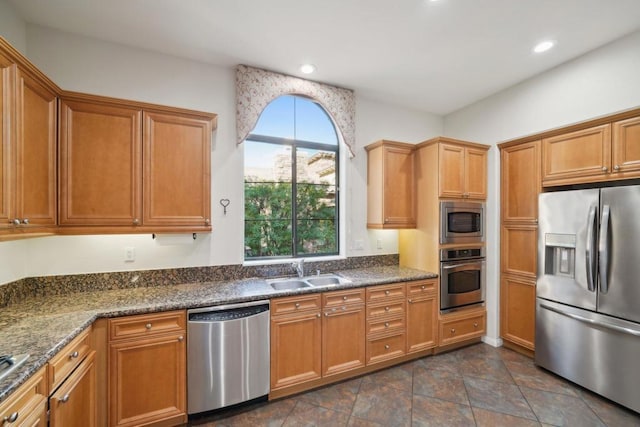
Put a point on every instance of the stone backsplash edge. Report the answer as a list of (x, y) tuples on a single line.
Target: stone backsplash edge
[(17, 291)]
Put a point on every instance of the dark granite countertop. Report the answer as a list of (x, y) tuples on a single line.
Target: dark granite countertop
[(42, 326)]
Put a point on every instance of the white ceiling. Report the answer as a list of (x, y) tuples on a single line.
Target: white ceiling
[(434, 56)]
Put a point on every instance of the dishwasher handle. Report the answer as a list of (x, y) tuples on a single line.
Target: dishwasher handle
[(214, 314)]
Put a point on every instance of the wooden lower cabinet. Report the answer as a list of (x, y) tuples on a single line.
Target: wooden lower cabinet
[(147, 374), (27, 406), (422, 320), (518, 310), (296, 347), (73, 404), (343, 332), (463, 325)]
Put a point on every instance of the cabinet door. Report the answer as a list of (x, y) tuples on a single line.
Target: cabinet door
[(100, 164), (296, 350), (343, 339), (7, 72), (581, 156), (626, 148), (36, 145), (177, 170), (451, 173), (74, 403), (422, 323), (398, 203), (475, 177), (147, 381), (519, 250), (521, 184), (518, 309)]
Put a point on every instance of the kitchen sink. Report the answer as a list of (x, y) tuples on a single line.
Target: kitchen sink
[(283, 285), (317, 281)]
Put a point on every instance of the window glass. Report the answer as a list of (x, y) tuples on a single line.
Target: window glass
[(291, 195)]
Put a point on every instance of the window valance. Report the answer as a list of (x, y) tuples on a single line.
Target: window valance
[(255, 88)]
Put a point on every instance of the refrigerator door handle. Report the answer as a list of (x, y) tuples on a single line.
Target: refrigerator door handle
[(603, 249), (589, 252), (606, 325)]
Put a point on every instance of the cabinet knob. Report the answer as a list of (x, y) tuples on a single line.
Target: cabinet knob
[(15, 221), (11, 418), (386, 309), (326, 315), (297, 305), (148, 326), (318, 315), (64, 398), (344, 298), (136, 221), (180, 338), (616, 168), (453, 331), (423, 287), (386, 347), (387, 292), (207, 221), (475, 325), (604, 169), (25, 221), (410, 301), (73, 355), (386, 324)]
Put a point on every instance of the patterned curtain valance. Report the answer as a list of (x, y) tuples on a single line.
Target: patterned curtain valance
[(255, 88)]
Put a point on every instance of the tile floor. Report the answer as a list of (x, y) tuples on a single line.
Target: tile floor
[(475, 386)]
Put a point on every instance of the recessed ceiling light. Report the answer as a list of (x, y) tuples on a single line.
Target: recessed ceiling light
[(544, 46), (307, 68)]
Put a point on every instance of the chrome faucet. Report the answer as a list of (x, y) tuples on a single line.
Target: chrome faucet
[(299, 267)]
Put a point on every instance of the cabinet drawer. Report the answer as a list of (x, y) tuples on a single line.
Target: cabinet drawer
[(378, 326), (63, 363), (26, 401), (146, 325), (390, 309), (290, 305), (462, 328), (385, 293), (338, 298), (388, 347), (421, 288)]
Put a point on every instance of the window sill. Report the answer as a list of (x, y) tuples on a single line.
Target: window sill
[(290, 260)]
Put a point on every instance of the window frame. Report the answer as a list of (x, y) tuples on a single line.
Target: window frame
[(295, 144)]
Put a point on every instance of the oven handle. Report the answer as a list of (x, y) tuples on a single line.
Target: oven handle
[(449, 267)]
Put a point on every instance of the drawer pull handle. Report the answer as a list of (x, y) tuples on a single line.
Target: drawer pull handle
[(297, 305), (386, 347), (386, 324), (11, 418), (344, 298), (65, 398), (148, 326), (475, 325), (387, 292), (73, 355), (386, 309), (453, 331), (180, 338)]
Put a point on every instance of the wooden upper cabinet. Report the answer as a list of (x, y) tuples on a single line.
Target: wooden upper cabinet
[(520, 182), (177, 156), (391, 185), (36, 150), (626, 147), (7, 73), (462, 171), (100, 164)]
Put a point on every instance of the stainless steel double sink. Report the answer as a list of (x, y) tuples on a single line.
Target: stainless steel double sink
[(319, 281)]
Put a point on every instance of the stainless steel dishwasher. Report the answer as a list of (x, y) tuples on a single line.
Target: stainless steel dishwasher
[(227, 355)]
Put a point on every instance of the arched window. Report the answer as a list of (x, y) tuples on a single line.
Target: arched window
[(290, 182)]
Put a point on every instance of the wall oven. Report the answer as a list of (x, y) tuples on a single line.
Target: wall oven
[(462, 277), (461, 222)]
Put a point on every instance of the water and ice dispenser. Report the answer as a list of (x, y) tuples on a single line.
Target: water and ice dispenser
[(560, 254)]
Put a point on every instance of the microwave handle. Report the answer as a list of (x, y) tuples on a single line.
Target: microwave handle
[(449, 267)]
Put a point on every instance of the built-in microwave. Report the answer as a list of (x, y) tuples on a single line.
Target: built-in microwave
[(461, 222)]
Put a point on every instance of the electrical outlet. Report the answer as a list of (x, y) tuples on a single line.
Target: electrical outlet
[(379, 243), (129, 254)]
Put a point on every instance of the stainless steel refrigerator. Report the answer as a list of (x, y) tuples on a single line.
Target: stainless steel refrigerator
[(588, 290)]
